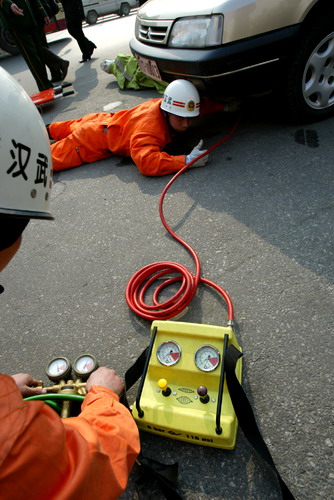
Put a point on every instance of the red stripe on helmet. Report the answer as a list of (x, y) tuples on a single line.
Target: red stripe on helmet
[(179, 104)]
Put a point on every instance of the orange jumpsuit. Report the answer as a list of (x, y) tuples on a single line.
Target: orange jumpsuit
[(141, 132), (80, 458)]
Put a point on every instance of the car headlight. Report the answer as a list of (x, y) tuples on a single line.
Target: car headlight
[(194, 32)]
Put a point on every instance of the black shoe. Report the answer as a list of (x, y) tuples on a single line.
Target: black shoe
[(92, 47), (84, 59), (64, 68), (57, 76), (60, 74)]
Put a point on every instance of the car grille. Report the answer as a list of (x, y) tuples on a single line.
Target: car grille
[(154, 32)]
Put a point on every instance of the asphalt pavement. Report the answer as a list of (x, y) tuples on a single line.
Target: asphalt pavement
[(260, 217)]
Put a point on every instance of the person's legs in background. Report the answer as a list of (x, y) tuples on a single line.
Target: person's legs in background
[(58, 67), (31, 49), (86, 46)]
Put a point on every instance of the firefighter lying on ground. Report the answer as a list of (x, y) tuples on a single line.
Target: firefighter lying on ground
[(141, 132), (42, 455)]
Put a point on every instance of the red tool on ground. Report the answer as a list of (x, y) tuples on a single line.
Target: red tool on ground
[(51, 94)]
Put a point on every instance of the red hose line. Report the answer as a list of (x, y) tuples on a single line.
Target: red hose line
[(138, 286)]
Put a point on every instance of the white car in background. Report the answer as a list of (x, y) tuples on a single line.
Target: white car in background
[(241, 47), (97, 8)]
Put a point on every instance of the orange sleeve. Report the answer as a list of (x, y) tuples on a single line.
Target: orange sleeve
[(117, 431), (45, 457), (146, 152)]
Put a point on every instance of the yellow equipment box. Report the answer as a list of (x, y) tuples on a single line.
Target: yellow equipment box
[(183, 393)]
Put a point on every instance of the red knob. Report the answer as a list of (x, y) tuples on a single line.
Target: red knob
[(202, 391)]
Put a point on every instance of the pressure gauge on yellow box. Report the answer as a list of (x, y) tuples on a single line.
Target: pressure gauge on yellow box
[(207, 358), (169, 353)]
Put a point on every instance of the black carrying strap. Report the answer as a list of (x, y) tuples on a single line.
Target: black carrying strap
[(245, 415), (166, 475), (135, 371), (132, 375)]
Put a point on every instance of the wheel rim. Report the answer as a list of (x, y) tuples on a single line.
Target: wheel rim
[(318, 78), (8, 38), (91, 18)]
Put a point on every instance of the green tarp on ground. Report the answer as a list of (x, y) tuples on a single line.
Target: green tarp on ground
[(128, 74)]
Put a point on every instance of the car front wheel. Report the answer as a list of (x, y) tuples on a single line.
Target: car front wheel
[(7, 42), (91, 17), (310, 74), (125, 9)]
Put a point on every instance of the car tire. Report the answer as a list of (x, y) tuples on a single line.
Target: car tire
[(91, 17), (310, 73), (7, 42), (124, 10)]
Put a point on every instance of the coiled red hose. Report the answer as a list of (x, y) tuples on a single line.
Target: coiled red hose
[(143, 279)]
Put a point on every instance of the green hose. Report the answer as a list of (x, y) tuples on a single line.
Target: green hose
[(51, 399), (55, 406), (52, 396)]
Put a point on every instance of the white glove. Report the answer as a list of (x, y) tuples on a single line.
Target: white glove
[(105, 65), (195, 153)]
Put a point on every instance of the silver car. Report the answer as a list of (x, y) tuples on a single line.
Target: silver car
[(240, 47)]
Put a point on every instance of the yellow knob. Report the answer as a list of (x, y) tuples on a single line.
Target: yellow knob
[(162, 384)]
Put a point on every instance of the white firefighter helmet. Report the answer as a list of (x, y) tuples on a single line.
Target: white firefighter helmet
[(25, 156), (181, 98)]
